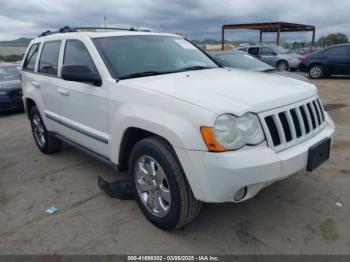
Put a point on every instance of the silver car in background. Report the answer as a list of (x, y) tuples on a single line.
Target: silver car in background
[(242, 60), (274, 55)]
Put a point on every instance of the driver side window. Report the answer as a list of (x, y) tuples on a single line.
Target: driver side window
[(266, 51), (75, 53)]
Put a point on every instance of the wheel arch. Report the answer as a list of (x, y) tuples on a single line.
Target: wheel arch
[(28, 105), (281, 60)]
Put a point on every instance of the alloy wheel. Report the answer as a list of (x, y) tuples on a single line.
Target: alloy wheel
[(315, 72), (152, 186), (39, 131)]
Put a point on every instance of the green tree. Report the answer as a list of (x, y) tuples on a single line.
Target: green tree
[(333, 39)]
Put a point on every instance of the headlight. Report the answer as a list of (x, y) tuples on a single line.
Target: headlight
[(231, 132), (294, 59)]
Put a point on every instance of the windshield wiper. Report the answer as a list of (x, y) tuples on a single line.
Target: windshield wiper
[(141, 74), (271, 70), (198, 67)]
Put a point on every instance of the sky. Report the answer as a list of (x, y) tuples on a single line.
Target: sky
[(197, 19)]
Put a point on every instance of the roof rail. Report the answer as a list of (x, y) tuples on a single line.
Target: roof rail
[(67, 29)]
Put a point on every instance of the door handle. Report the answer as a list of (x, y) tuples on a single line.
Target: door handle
[(63, 91), (36, 84)]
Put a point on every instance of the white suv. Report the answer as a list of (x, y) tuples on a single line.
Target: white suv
[(186, 130)]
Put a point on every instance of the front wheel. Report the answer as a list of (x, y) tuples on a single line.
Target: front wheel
[(316, 72), (283, 65), (160, 186)]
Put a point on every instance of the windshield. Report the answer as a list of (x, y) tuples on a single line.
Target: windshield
[(281, 50), (142, 55), (242, 61), (9, 73)]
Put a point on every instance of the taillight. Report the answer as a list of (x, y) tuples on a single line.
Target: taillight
[(303, 57)]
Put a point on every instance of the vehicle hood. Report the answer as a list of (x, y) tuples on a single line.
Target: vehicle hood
[(292, 75), (228, 90), (10, 85)]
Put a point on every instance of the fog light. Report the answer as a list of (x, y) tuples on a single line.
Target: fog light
[(240, 194)]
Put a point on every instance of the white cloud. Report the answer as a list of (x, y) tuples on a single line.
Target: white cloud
[(196, 18)]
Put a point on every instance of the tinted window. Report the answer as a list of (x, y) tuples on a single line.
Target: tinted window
[(29, 63), (49, 58), (338, 51), (9, 72), (243, 61), (76, 54), (254, 50), (267, 51), (127, 56)]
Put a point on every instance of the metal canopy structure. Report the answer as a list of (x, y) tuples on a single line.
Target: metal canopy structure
[(277, 27)]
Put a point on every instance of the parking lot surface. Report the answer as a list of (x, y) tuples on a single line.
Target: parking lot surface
[(305, 214)]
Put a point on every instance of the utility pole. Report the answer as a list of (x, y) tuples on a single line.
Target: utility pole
[(105, 22)]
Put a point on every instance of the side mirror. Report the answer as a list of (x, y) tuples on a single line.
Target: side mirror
[(80, 73)]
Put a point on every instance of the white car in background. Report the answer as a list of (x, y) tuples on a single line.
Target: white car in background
[(187, 130)]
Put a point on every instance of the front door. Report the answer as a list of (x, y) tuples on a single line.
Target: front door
[(337, 60), (268, 56), (83, 106)]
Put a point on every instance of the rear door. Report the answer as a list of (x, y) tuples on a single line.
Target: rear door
[(336, 60), (41, 81), (83, 106)]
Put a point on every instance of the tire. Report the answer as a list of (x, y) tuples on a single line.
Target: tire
[(283, 65), (45, 141), (316, 71), (171, 204)]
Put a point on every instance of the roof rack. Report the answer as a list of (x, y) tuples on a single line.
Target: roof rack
[(67, 29)]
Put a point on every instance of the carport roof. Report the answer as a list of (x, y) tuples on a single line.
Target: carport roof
[(277, 27), (272, 27)]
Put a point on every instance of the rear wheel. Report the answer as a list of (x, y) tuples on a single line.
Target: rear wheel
[(283, 65), (316, 71), (43, 138), (160, 186)]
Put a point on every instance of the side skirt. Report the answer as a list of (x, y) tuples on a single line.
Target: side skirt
[(87, 151)]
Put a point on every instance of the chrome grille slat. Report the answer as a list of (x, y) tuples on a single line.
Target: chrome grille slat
[(290, 125), (307, 113), (279, 129), (301, 121)]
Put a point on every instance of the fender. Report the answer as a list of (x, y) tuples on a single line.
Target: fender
[(177, 130)]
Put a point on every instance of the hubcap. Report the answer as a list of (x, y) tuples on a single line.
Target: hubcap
[(152, 186), (315, 72), (39, 131), (282, 66)]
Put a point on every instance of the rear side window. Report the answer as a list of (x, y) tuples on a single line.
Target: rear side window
[(76, 53), (254, 51), (338, 51), (29, 62), (48, 63)]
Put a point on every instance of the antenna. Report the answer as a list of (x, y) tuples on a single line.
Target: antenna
[(105, 21)]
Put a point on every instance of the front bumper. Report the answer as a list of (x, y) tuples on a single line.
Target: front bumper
[(216, 177), (9, 103), (294, 64)]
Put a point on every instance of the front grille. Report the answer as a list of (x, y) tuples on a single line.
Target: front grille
[(287, 126)]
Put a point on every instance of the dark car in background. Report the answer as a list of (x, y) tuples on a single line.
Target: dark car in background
[(333, 60), (10, 87), (242, 60)]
